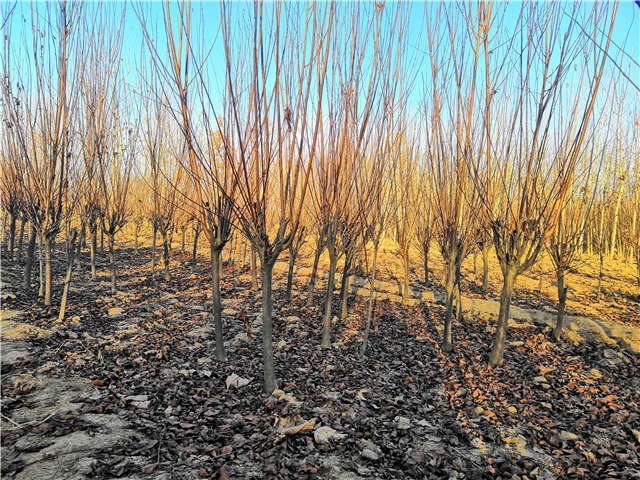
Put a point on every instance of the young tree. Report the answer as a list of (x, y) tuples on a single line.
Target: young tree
[(114, 175), (165, 176), (319, 235), (39, 98), (352, 99), (294, 249), (452, 139), (525, 174), (270, 145)]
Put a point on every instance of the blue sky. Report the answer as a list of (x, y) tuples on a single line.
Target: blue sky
[(206, 22)]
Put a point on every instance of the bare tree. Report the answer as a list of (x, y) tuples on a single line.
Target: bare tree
[(271, 129), (39, 98), (525, 173), (114, 176), (453, 140)]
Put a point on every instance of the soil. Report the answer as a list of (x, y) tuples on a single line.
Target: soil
[(126, 386)]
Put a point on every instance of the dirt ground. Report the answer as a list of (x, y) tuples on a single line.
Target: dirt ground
[(126, 387)]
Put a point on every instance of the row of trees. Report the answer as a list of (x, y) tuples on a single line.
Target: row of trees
[(326, 123)]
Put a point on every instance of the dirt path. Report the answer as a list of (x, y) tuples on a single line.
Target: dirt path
[(63, 437)]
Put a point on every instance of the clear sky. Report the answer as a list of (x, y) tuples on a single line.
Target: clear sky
[(206, 25)]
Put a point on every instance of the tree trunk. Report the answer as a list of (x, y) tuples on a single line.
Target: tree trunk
[(101, 240), (20, 239), (165, 252), (153, 254), (475, 264), (31, 248), (267, 327), (540, 278), (195, 249), (458, 299), (600, 274), (183, 235), (425, 251), (47, 270), (562, 300), (406, 294), (372, 292), (67, 279), (12, 235), (485, 269), (83, 234), (40, 258), (616, 215), (112, 261), (314, 274), (217, 307), (244, 253), (254, 269), (447, 343), (4, 225), (326, 322), (292, 260), (92, 252), (136, 235), (344, 290), (508, 283)]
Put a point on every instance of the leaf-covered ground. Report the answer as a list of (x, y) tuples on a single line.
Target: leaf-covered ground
[(407, 411)]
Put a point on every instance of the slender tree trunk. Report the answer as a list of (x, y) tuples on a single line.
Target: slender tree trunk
[(254, 269), (101, 240), (485, 269), (47, 271), (292, 260), (314, 274), (12, 235), (616, 215), (92, 252), (165, 252), (540, 278), (195, 249), (67, 278), (509, 280), (41, 258), (425, 251), (447, 343), (267, 326), (112, 260), (219, 353), (31, 248), (326, 323), (344, 290), (562, 301), (634, 234), (20, 240), (475, 264), (83, 234), (153, 254), (136, 228), (458, 299), (183, 236), (372, 293), (600, 273), (244, 253), (4, 226), (406, 294)]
